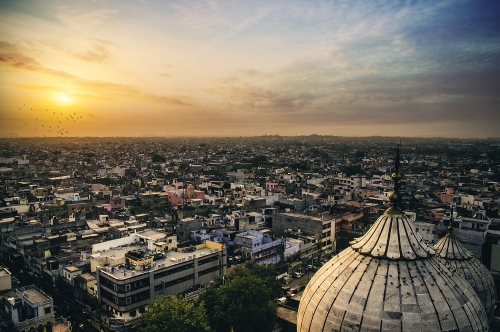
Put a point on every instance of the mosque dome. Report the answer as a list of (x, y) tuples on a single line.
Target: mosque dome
[(462, 261), (389, 280)]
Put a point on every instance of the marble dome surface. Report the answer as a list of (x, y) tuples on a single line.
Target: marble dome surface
[(462, 261), (389, 280)]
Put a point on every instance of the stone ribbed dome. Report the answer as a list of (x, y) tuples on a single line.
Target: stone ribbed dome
[(389, 280), (460, 260)]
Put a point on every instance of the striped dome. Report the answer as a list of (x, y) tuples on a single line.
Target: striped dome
[(389, 280), (460, 260)]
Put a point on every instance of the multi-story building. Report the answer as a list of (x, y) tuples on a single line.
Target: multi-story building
[(321, 228), (126, 289), (350, 182), (256, 246), (29, 309)]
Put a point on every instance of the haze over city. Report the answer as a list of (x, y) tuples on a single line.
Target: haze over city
[(245, 68)]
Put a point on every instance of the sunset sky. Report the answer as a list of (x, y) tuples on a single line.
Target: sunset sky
[(245, 68)]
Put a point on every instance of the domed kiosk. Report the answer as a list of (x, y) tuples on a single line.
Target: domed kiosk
[(389, 280), (462, 261)]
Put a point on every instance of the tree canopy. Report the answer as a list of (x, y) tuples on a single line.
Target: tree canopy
[(158, 159), (352, 170), (246, 302), (169, 313)]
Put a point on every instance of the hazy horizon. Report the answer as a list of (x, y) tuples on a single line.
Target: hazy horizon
[(214, 68), (260, 136)]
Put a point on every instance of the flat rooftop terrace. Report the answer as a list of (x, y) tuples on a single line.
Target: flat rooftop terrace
[(172, 258), (33, 294)]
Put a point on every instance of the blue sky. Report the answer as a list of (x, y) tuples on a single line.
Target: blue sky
[(231, 68)]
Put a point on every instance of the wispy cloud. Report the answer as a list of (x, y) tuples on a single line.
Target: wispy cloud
[(98, 52), (19, 61), (84, 20)]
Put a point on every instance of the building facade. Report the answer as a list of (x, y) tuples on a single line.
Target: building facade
[(125, 290)]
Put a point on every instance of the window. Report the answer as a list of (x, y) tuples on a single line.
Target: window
[(116, 300), (47, 310), (128, 300), (142, 310), (209, 270), (115, 287), (133, 313), (127, 288)]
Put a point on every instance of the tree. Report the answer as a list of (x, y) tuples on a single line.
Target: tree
[(169, 313), (352, 170), (359, 154), (246, 302), (266, 273), (158, 159)]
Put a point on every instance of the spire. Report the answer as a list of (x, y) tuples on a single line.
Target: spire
[(450, 226), (395, 196)]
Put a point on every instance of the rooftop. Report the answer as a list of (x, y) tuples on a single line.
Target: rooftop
[(33, 294), (87, 277), (172, 258), (4, 272), (71, 269)]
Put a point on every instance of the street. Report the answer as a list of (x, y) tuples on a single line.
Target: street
[(303, 280)]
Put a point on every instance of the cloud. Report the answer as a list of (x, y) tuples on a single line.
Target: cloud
[(96, 53), (84, 21), (20, 61), (17, 60), (367, 88)]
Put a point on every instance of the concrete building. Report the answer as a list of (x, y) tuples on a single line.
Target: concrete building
[(5, 279), (112, 253), (350, 182), (426, 230), (320, 228), (186, 226), (70, 272), (257, 247), (126, 289), (30, 309)]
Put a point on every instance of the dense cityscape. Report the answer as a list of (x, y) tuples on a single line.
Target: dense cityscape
[(94, 230)]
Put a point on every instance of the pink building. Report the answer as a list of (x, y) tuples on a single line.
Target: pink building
[(117, 202)]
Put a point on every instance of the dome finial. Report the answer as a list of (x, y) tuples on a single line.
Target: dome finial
[(450, 226), (395, 196)]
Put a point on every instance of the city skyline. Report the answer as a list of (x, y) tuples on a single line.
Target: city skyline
[(249, 68)]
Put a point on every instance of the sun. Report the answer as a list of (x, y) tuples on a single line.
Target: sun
[(64, 99)]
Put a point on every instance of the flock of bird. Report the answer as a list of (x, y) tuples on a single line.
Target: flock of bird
[(56, 117)]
